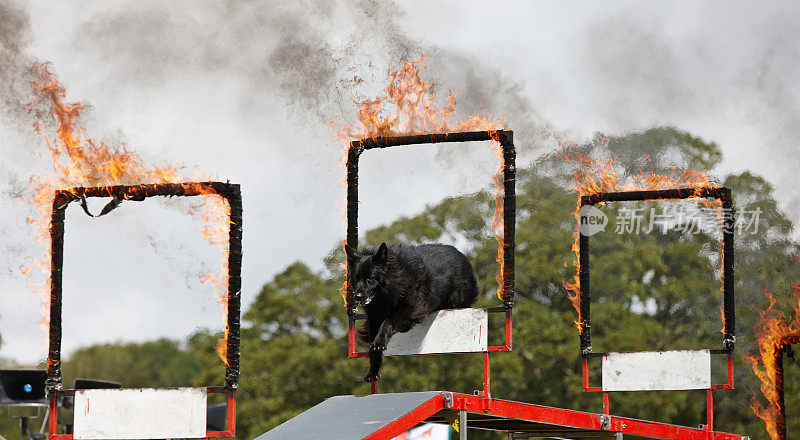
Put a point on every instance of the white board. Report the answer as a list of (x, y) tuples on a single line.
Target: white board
[(657, 371), (140, 413), (447, 331)]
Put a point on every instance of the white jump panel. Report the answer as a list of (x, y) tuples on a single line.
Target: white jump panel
[(140, 413), (447, 331), (657, 371)]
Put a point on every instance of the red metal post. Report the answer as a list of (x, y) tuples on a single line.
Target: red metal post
[(52, 421), (585, 372), (487, 392), (709, 410), (585, 376), (730, 370), (730, 384), (231, 422), (373, 387), (232, 413), (509, 330), (351, 339), (606, 404)]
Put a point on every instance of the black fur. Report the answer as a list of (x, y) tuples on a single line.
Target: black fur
[(400, 285)]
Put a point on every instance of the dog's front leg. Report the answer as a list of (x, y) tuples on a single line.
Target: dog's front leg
[(385, 332), (375, 361), (376, 348)]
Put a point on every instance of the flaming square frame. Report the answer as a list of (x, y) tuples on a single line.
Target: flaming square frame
[(506, 140), (729, 318), (723, 194), (228, 191)]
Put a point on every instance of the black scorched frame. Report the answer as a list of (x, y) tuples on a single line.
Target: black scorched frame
[(230, 192), (721, 193), (506, 140)]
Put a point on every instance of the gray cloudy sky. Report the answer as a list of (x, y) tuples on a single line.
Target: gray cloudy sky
[(241, 90)]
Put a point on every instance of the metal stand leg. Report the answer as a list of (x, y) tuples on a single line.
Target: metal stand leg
[(462, 425), (709, 410), (487, 388)]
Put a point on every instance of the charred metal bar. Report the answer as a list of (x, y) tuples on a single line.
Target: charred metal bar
[(785, 345), (662, 194), (230, 192), (141, 192), (506, 140), (728, 221), (430, 138), (352, 222), (729, 309), (585, 295), (233, 194), (54, 376), (780, 410)]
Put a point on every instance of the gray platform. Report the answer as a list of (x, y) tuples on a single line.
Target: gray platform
[(348, 417)]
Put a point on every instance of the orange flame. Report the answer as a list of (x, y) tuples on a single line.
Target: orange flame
[(592, 177), (343, 288), (80, 161), (774, 333), (409, 106)]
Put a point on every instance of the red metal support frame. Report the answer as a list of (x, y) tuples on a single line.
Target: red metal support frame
[(585, 377), (709, 396), (231, 422), (52, 417), (579, 420)]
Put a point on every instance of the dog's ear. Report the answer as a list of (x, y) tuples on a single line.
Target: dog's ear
[(381, 254)]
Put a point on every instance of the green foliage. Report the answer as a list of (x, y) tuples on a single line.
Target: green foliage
[(653, 291), (159, 363)]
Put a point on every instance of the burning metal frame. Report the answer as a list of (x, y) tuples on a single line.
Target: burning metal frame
[(780, 407), (728, 309), (724, 195), (506, 140), (228, 191)]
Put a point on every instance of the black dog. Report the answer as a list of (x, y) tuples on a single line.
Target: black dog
[(400, 285)]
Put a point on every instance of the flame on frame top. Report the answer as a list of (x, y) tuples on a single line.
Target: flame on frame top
[(409, 106), (80, 161), (592, 177)]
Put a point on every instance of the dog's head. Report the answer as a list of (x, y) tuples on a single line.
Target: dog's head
[(368, 270)]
